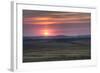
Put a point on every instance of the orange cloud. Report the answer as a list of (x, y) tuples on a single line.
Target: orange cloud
[(41, 18), (44, 23), (66, 18)]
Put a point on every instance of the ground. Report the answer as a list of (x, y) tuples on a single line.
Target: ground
[(37, 50)]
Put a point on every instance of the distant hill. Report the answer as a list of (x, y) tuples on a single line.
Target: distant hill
[(57, 37)]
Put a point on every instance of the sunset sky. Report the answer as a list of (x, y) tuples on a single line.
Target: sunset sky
[(51, 23)]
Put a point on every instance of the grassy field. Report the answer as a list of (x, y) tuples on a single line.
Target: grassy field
[(36, 51)]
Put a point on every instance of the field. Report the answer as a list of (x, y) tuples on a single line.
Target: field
[(56, 49)]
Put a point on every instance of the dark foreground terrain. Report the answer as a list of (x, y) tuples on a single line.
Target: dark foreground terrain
[(36, 49)]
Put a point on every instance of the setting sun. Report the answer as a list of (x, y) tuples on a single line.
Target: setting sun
[(46, 33)]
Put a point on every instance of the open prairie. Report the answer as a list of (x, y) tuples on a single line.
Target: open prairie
[(35, 50)]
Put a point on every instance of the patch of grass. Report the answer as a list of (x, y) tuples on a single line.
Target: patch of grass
[(55, 51)]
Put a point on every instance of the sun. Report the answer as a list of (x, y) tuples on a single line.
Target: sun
[(46, 33)]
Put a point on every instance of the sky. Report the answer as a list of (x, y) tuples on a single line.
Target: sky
[(53, 23)]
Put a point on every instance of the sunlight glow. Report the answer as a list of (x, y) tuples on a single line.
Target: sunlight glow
[(46, 33)]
